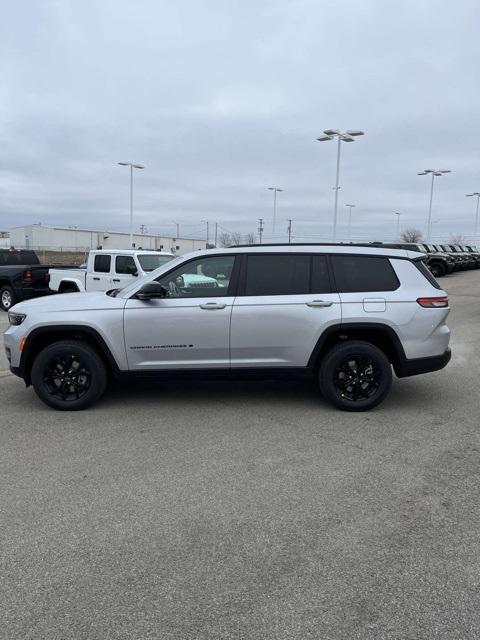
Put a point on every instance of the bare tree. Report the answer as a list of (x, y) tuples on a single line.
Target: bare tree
[(250, 238), (457, 238), (411, 235), (236, 238), (225, 239)]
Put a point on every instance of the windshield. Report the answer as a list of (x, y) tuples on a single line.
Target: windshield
[(133, 286), (421, 248), (151, 261)]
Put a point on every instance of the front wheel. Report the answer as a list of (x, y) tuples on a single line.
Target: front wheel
[(355, 376), (7, 298), (69, 375), (437, 270)]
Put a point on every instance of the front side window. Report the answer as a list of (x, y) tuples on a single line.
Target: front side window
[(125, 265), (355, 274), (275, 275), (102, 263), (205, 277)]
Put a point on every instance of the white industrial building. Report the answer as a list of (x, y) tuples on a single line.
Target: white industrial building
[(38, 237)]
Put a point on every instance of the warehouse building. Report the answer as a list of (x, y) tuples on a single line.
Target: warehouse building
[(40, 237)]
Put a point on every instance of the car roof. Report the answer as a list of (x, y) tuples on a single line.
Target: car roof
[(131, 252), (372, 250)]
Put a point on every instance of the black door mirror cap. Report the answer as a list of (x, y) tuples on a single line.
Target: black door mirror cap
[(151, 291)]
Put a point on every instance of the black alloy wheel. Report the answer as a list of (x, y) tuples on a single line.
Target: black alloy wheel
[(69, 375), (355, 375)]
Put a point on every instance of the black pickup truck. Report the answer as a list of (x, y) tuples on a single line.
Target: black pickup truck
[(21, 277)]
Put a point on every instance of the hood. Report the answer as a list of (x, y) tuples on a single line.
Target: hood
[(70, 302)]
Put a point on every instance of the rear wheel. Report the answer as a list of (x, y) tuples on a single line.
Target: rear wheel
[(69, 375), (355, 376), (7, 298)]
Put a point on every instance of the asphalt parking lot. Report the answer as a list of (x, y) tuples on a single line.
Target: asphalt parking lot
[(252, 510)]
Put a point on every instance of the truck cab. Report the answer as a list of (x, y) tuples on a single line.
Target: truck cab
[(107, 269)]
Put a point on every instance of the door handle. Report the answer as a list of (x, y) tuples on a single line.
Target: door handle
[(116, 280), (319, 303), (96, 278), (212, 305)]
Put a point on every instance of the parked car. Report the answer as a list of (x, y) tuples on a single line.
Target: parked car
[(343, 314), (439, 263), (107, 270), (468, 259), (21, 277)]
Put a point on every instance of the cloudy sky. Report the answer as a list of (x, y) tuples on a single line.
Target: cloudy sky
[(221, 99)]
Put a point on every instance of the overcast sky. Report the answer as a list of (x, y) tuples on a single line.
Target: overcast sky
[(221, 99)]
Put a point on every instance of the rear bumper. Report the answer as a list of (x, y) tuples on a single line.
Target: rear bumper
[(415, 366)]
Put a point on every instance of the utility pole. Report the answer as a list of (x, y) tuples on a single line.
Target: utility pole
[(143, 229), (216, 233), (208, 231), (289, 229), (260, 229), (178, 228)]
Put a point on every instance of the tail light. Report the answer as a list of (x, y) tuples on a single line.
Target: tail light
[(27, 276), (433, 303)]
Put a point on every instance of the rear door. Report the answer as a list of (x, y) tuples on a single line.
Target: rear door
[(285, 302), (100, 278)]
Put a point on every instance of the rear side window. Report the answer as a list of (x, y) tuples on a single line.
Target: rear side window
[(276, 275), (102, 263), (363, 273), (422, 267)]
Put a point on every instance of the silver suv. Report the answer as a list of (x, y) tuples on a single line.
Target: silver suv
[(346, 315)]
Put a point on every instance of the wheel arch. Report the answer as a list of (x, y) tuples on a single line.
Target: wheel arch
[(380, 335), (44, 336)]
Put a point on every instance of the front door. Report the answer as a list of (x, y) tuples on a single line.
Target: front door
[(190, 328)]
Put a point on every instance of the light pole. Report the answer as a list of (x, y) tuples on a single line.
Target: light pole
[(275, 191), (208, 231), (398, 214), (346, 136), (132, 167), (350, 206), (435, 173), (477, 195)]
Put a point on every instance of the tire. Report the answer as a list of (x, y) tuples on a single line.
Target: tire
[(52, 372), (336, 372), (7, 298), (437, 269)]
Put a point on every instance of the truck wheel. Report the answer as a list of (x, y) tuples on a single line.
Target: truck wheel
[(7, 298), (69, 375), (355, 376), (437, 269)]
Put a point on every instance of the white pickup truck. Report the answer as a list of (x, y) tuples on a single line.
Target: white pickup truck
[(107, 270)]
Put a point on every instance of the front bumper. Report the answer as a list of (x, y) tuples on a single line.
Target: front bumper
[(415, 366)]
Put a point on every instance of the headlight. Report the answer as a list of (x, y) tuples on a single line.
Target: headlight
[(16, 318)]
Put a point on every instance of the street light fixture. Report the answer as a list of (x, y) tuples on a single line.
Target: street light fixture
[(275, 191), (350, 206), (132, 167), (398, 214), (477, 195), (435, 173), (345, 136)]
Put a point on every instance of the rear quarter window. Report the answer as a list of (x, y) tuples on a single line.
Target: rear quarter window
[(102, 263), (354, 274), (425, 271)]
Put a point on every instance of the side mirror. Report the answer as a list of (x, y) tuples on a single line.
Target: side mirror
[(151, 291), (132, 270)]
